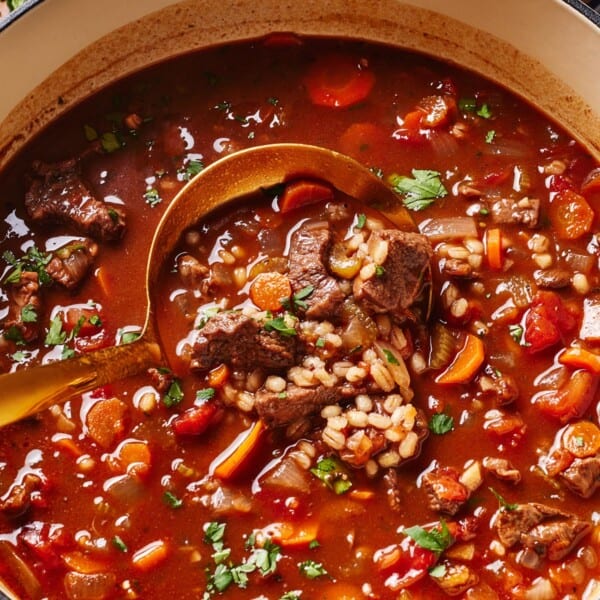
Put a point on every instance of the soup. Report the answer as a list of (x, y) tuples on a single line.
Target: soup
[(344, 412)]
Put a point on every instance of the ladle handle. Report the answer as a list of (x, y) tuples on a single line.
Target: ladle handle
[(24, 392)]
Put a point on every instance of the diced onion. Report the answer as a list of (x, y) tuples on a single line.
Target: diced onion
[(96, 586), (288, 474), (448, 228)]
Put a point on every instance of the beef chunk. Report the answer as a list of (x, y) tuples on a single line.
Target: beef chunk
[(162, 379), (191, 271), (444, 490), (543, 529), (70, 263), (502, 389), (18, 498), (309, 248), (58, 194), (277, 409), (520, 212), (240, 341), (401, 280), (23, 294), (392, 490), (502, 469), (583, 476)]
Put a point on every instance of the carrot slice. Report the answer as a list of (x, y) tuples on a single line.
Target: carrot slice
[(295, 535), (268, 289), (582, 439), (150, 556), (302, 193), (218, 377), (106, 421), (361, 495), (80, 562), (337, 81), (493, 248), (571, 215), (580, 358), (466, 363), (234, 461)]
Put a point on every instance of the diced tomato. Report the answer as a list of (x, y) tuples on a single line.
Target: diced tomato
[(196, 420), (85, 319), (47, 541), (570, 214), (338, 81), (546, 322), (303, 192), (438, 111), (572, 400), (411, 130), (561, 183)]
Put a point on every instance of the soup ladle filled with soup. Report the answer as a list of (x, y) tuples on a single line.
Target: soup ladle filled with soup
[(389, 272)]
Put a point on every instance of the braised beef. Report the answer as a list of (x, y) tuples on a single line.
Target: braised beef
[(400, 282), (454, 267), (552, 278), (58, 194), (277, 409), (23, 294), (18, 498), (502, 469), (161, 379), (521, 212), (242, 342), (583, 476), (70, 263), (309, 248), (392, 490), (546, 530), (191, 271), (444, 490), (500, 388)]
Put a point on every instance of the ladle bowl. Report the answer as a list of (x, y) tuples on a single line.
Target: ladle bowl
[(28, 391)]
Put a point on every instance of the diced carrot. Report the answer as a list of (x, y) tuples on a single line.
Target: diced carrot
[(106, 421), (218, 376), (104, 280), (233, 462), (412, 120), (67, 444), (582, 439), (580, 358), (269, 289), (295, 535), (466, 363), (150, 556), (361, 494), (338, 81), (493, 248), (570, 215), (78, 561), (131, 455), (302, 193)]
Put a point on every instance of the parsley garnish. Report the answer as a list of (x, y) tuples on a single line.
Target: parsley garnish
[(320, 343), (55, 335), (67, 353), (205, 394), (127, 337), (504, 505), (313, 544), (14, 334), (119, 544), (312, 569), (174, 394), (90, 133), (110, 142), (467, 104), (420, 192), (489, 136), (32, 260), (484, 111), (152, 197), (516, 332), (441, 423), (28, 314), (379, 271), (297, 300), (295, 595), (331, 472), (438, 571), (114, 215), (214, 532), (436, 540), (389, 356), (361, 221), (172, 501), (191, 169), (95, 321), (280, 326)]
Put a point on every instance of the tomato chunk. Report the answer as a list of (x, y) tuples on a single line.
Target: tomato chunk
[(83, 318), (302, 193), (338, 81), (571, 215), (195, 421)]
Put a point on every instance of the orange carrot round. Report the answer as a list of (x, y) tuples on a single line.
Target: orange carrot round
[(582, 439), (493, 248), (268, 289), (581, 358)]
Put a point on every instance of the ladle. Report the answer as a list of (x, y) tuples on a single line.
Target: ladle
[(28, 391)]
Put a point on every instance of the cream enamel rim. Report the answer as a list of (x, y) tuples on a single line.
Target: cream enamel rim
[(555, 65)]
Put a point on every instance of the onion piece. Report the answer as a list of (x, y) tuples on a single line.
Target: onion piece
[(506, 147), (20, 571), (289, 475), (580, 262), (89, 586), (448, 228)]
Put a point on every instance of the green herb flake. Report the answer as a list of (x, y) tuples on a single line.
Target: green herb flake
[(484, 111), (504, 505), (20, 356), (119, 544), (389, 356), (14, 4), (265, 558), (205, 394), (67, 353), (312, 569), (221, 579), (273, 101), (436, 540), (332, 473), (421, 190), (298, 299), (110, 142), (114, 215), (14, 334), (29, 314), (438, 571), (441, 423), (467, 104), (361, 221), (90, 133), (295, 595), (174, 394), (55, 335), (320, 343), (95, 321), (171, 500), (214, 532), (579, 441), (33, 260), (379, 271), (280, 326), (127, 337), (282, 395), (516, 332), (483, 211), (314, 544), (489, 136), (220, 556), (152, 197)]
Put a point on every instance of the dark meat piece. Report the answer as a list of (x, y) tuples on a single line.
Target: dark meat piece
[(453, 267), (161, 379), (191, 271), (546, 530), (583, 476), (71, 262), (400, 283), (22, 294), (309, 248), (501, 388), (444, 490), (521, 212), (59, 195), (392, 490), (502, 469), (240, 341), (552, 278), (277, 409), (18, 498)]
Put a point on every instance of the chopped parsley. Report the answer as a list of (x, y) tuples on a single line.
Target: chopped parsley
[(127, 337), (489, 136), (55, 335), (14, 334), (110, 142), (205, 394), (295, 595), (90, 133), (273, 101), (95, 321), (14, 4), (280, 326), (33, 260), (379, 271), (361, 220), (484, 111), (504, 505), (421, 190), (171, 500), (436, 540), (114, 215), (298, 299), (320, 343), (332, 473), (389, 357), (152, 197), (438, 571), (470, 105), (516, 332), (119, 544), (314, 544), (67, 353), (312, 569), (441, 423), (191, 169), (174, 394), (29, 314), (214, 532)]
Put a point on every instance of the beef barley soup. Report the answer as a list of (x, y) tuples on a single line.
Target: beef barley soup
[(349, 410)]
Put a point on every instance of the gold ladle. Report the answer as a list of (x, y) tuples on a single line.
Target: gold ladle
[(28, 391)]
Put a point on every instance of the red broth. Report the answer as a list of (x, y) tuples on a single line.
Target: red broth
[(119, 496)]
